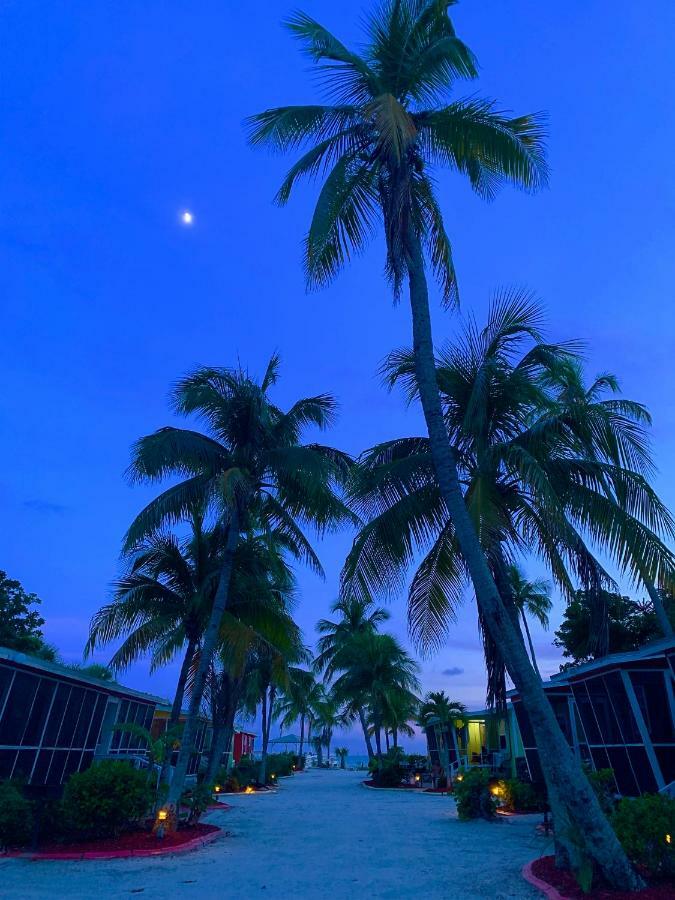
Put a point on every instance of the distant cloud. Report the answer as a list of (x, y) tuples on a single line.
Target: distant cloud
[(46, 507), (455, 670)]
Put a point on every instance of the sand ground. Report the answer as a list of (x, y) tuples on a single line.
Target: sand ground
[(322, 835)]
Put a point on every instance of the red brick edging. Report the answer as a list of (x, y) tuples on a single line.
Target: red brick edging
[(193, 844), (546, 888)]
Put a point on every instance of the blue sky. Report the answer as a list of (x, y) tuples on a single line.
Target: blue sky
[(115, 117)]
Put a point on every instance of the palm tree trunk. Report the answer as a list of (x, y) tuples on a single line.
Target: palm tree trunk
[(209, 643), (394, 736), (221, 743), (529, 641), (177, 707), (302, 738), (262, 774), (386, 739), (572, 799), (369, 744), (659, 608)]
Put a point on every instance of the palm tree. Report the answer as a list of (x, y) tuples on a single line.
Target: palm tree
[(328, 714), (386, 127), (297, 702), (161, 604), (342, 753), (531, 598), (256, 622), (437, 705), (250, 468), (375, 667), (401, 710), (355, 617)]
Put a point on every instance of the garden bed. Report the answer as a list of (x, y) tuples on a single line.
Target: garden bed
[(560, 885), (132, 844)]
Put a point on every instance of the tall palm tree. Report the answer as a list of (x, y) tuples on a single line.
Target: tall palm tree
[(540, 472), (257, 621), (356, 615), (401, 710), (328, 715), (531, 598), (162, 603), (375, 667), (387, 125), (249, 468)]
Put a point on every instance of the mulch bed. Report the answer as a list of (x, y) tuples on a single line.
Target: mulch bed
[(133, 843), (565, 883)]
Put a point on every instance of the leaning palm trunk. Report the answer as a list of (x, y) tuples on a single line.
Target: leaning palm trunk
[(177, 707), (575, 807), (659, 609), (364, 725), (531, 645), (209, 643)]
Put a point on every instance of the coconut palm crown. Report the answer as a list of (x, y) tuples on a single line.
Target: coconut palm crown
[(390, 122)]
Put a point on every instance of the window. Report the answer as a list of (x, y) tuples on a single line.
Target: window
[(84, 721), (95, 724), (623, 772), (25, 760), (586, 714), (666, 758), (17, 708), (70, 718), (7, 758), (36, 723), (619, 699), (56, 767), (42, 766), (642, 770), (604, 712), (56, 715), (650, 690), (5, 680), (561, 710)]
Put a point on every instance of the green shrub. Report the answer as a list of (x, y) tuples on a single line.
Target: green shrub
[(16, 817), (473, 796), (106, 799), (390, 771), (519, 796), (197, 799), (246, 771), (231, 785), (643, 825), (417, 762), (280, 764), (604, 786)]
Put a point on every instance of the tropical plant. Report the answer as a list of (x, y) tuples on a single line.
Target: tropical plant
[(328, 715), (106, 799), (531, 598), (386, 127), (375, 668), (249, 469), (16, 817), (438, 705), (256, 621), (20, 622), (401, 710), (645, 826), (297, 702), (342, 753), (473, 795), (355, 617), (162, 603), (630, 625)]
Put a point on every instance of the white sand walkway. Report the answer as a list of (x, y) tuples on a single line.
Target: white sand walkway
[(321, 836)]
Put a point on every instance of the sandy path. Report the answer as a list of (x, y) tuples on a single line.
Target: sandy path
[(321, 836)]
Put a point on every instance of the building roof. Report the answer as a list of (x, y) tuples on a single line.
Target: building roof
[(43, 666), (285, 739), (652, 650)]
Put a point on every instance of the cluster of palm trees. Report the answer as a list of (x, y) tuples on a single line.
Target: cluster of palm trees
[(521, 457), (389, 121)]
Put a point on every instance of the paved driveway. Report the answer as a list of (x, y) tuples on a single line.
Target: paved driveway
[(321, 836)]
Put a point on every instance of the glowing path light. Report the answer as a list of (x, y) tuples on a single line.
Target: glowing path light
[(186, 217)]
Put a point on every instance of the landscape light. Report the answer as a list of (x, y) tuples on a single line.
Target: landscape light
[(217, 789), (668, 839), (162, 815), (249, 790), (459, 778)]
